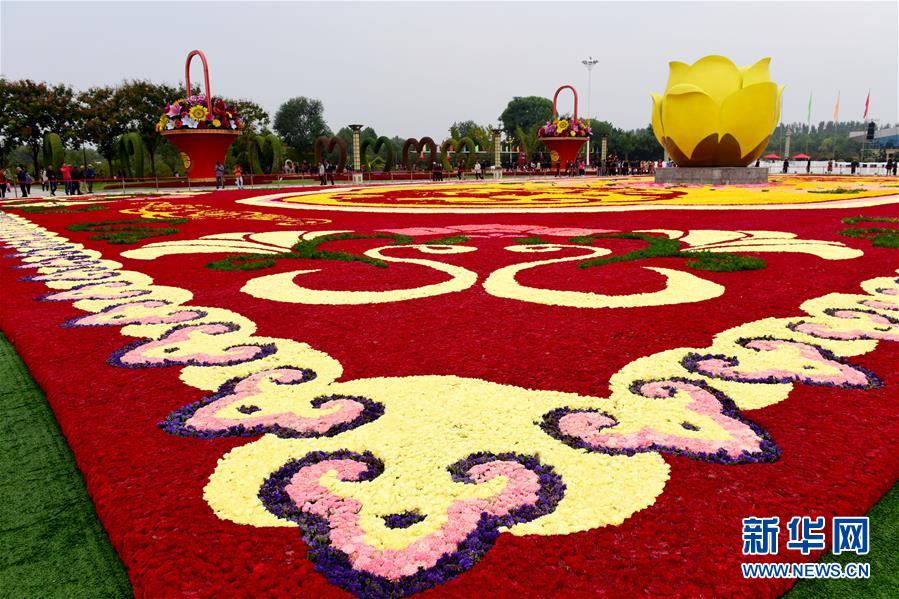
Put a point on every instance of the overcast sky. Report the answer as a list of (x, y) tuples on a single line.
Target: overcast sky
[(413, 68)]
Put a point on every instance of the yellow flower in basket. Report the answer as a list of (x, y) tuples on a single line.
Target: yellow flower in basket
[(198, 113), (714, 113)]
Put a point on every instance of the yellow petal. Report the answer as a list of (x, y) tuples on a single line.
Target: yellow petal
[(716, 75), (750, 115), (684, 88), (757, 73), (657, 117), (689, 117), (780, 93), (677, 73)]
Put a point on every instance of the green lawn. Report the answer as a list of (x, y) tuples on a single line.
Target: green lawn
[(884, 581), (51, 542)]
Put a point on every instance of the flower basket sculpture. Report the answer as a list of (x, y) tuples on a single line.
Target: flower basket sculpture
[(716, 114), (564, 138), (201, 127)]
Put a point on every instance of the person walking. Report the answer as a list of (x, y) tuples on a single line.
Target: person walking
[(77, 174), (66, 171), (21, 177), (3, 183), (45, 181), (829, 167), (238, 176), (477, 171), (51, 180), (321, 173), (808, 167), (330, 170), (219, 175), (785, 166), (460, 168), (89, 175)]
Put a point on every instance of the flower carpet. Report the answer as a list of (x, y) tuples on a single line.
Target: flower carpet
[(507, 389)]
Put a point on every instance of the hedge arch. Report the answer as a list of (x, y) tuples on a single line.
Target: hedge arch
[(419, 145), (131, 146), (327, 144), (376, 145), (53, 151), (456, 145), (258, 146)]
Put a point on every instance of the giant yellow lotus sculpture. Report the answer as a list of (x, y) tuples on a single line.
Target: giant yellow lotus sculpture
[(715, 113)]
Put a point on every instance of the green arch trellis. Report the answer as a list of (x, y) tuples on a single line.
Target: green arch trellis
[(131, 146), (258, 144), (376, 145), (457, 145), (53, 151)]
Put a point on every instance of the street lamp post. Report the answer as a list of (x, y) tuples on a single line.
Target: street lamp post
[(589, 62)]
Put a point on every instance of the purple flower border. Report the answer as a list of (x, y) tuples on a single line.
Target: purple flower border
[(335, 565), (116, 358), (691, 364), (73, 322), (41, 278), (402, 519), (769, 450), (176, 422), (46, 297), (832, 311)]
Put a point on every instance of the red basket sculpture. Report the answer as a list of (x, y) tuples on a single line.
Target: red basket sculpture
[(563, 150), (200, 148)]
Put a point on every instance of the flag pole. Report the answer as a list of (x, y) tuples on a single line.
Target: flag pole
[(808, 119), (861, 157), (836, 118)]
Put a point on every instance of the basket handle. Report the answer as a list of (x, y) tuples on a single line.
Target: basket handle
[(206, 78), (556, 99)]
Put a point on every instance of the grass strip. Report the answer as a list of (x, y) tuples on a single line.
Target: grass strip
[(883, 557), (53, 544)]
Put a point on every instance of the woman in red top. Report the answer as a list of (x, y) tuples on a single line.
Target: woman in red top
[(3, 183)]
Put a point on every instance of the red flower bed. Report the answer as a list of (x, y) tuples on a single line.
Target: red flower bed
[(133, 412)]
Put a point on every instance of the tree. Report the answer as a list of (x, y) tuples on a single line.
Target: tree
[(299, 121), (529, 140), (103, 120), (31, 110), (9, 133), (468, 129), (254, 117), (141, 104), (346, 134), (525, 112)]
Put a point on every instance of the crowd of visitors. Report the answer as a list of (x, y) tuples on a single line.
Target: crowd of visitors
[(76, 180)]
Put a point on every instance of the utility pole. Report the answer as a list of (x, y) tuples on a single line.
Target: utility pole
[(589, 62)]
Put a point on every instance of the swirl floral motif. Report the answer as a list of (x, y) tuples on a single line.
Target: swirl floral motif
[(246, 408), (330, 522), (678, 286)]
